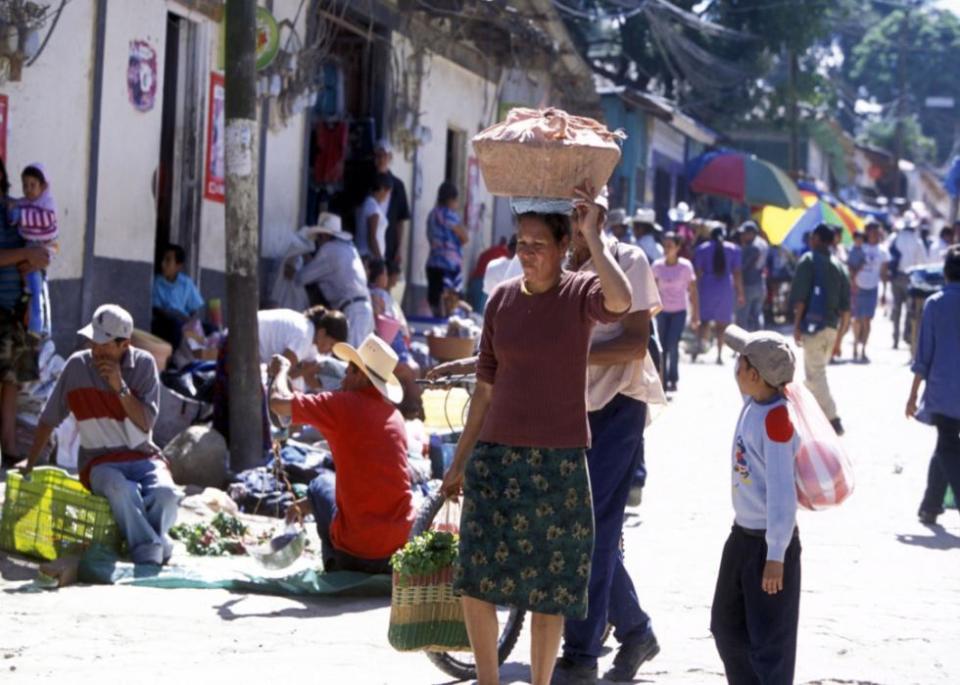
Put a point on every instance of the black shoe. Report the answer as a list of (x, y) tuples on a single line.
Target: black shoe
[(565, 672), (927, 518), (837, 426), (630, 657)]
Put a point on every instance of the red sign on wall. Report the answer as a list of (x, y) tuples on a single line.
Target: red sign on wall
[(214, 177), (4, 110)]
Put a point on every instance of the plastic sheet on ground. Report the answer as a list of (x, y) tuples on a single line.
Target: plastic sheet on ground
[(101, 567)]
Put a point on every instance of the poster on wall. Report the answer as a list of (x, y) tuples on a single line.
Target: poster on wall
[(142, 76), (4, 108), (215, 172)]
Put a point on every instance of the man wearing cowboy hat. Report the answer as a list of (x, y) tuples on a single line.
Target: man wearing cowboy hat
[(645, 228), (338, 271), (681, 214), (364, 512)]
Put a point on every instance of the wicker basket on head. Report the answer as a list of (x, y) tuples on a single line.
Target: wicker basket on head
[(546, 153)]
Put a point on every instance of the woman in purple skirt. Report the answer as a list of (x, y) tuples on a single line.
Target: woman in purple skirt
[(717, 263)]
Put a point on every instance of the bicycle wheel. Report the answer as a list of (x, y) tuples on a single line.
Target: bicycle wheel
[(461, 664)]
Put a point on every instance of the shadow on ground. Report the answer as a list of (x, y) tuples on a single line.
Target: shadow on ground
[(940, 539)]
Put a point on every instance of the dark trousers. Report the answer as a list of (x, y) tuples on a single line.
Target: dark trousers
[(617, 431), (755, 633), (167, 327), (670, 325), (944, 464), (655, 351), (322, 493)]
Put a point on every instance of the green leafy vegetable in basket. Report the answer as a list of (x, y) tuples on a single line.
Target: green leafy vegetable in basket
[(427, 553)]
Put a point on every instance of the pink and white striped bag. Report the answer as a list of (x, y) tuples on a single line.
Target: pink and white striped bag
[(823, 471)]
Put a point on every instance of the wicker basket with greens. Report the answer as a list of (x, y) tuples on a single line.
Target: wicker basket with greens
[(425, 615)]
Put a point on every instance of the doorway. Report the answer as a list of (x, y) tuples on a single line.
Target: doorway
[(179, 176)]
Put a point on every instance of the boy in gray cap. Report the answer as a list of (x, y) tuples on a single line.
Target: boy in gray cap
[(757, 600)]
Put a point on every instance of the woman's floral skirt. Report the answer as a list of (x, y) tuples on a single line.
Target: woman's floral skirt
[(526, 532)]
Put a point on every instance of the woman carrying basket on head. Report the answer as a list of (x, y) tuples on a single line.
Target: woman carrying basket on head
[(527, 526)]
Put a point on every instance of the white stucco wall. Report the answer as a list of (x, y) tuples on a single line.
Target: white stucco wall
[(283, 169), (49, 122), (129, 139), (451, 97)]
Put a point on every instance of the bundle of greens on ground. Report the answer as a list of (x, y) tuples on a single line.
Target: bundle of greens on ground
[(223, 534)]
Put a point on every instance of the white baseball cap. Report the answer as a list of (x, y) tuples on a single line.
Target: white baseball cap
[(109, 322)]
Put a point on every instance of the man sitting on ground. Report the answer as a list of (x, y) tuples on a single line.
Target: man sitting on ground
[(113, 392), (363, 512)]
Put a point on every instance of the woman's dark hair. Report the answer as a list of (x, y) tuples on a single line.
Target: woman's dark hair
[(35, 173), (719, 254), (375, 269), (951, 264), (671, 235), (447, 191), (382, 182), (330, 320), (4, 179), (559, 224)]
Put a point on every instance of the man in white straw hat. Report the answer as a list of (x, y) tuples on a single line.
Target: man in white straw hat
[(113, 392), (645, 228), (681, 214), (364, 512), (338, 271)]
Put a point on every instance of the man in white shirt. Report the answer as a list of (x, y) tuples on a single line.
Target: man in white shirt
[(621, 382), (338, 272), (867, 272), (502, 268), (645, 229), (908, 251)]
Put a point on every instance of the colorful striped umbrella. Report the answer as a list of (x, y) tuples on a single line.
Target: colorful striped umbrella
[(787, 226), (742, 178)]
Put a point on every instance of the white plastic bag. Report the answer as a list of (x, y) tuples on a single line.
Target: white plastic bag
[(823, 471)]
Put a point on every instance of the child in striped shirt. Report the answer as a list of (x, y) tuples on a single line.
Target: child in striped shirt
[(38, 227)]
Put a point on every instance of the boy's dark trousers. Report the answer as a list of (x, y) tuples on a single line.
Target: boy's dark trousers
[(756, 633)]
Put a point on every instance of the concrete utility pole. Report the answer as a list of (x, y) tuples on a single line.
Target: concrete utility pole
[(243, 247)]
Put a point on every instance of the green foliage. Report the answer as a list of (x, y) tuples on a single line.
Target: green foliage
[(932, 53), (427, 553), (916, 146), (223, 535)]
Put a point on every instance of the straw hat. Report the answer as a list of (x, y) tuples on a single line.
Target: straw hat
[(377, 361), (681, 213), (327, 224), (644, 215)]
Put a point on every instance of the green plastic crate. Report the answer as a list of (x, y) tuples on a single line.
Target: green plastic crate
[(52, 512)]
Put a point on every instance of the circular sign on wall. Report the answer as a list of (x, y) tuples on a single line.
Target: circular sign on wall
[(268, 38)]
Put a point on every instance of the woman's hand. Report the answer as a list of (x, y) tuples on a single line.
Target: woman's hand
[(588, 211), (452, 482), (458, 367)]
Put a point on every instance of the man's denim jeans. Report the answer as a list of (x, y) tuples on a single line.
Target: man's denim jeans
[(144, 499), (748, 316)]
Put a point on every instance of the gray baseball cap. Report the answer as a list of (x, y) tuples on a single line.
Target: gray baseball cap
[(768, 352)]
